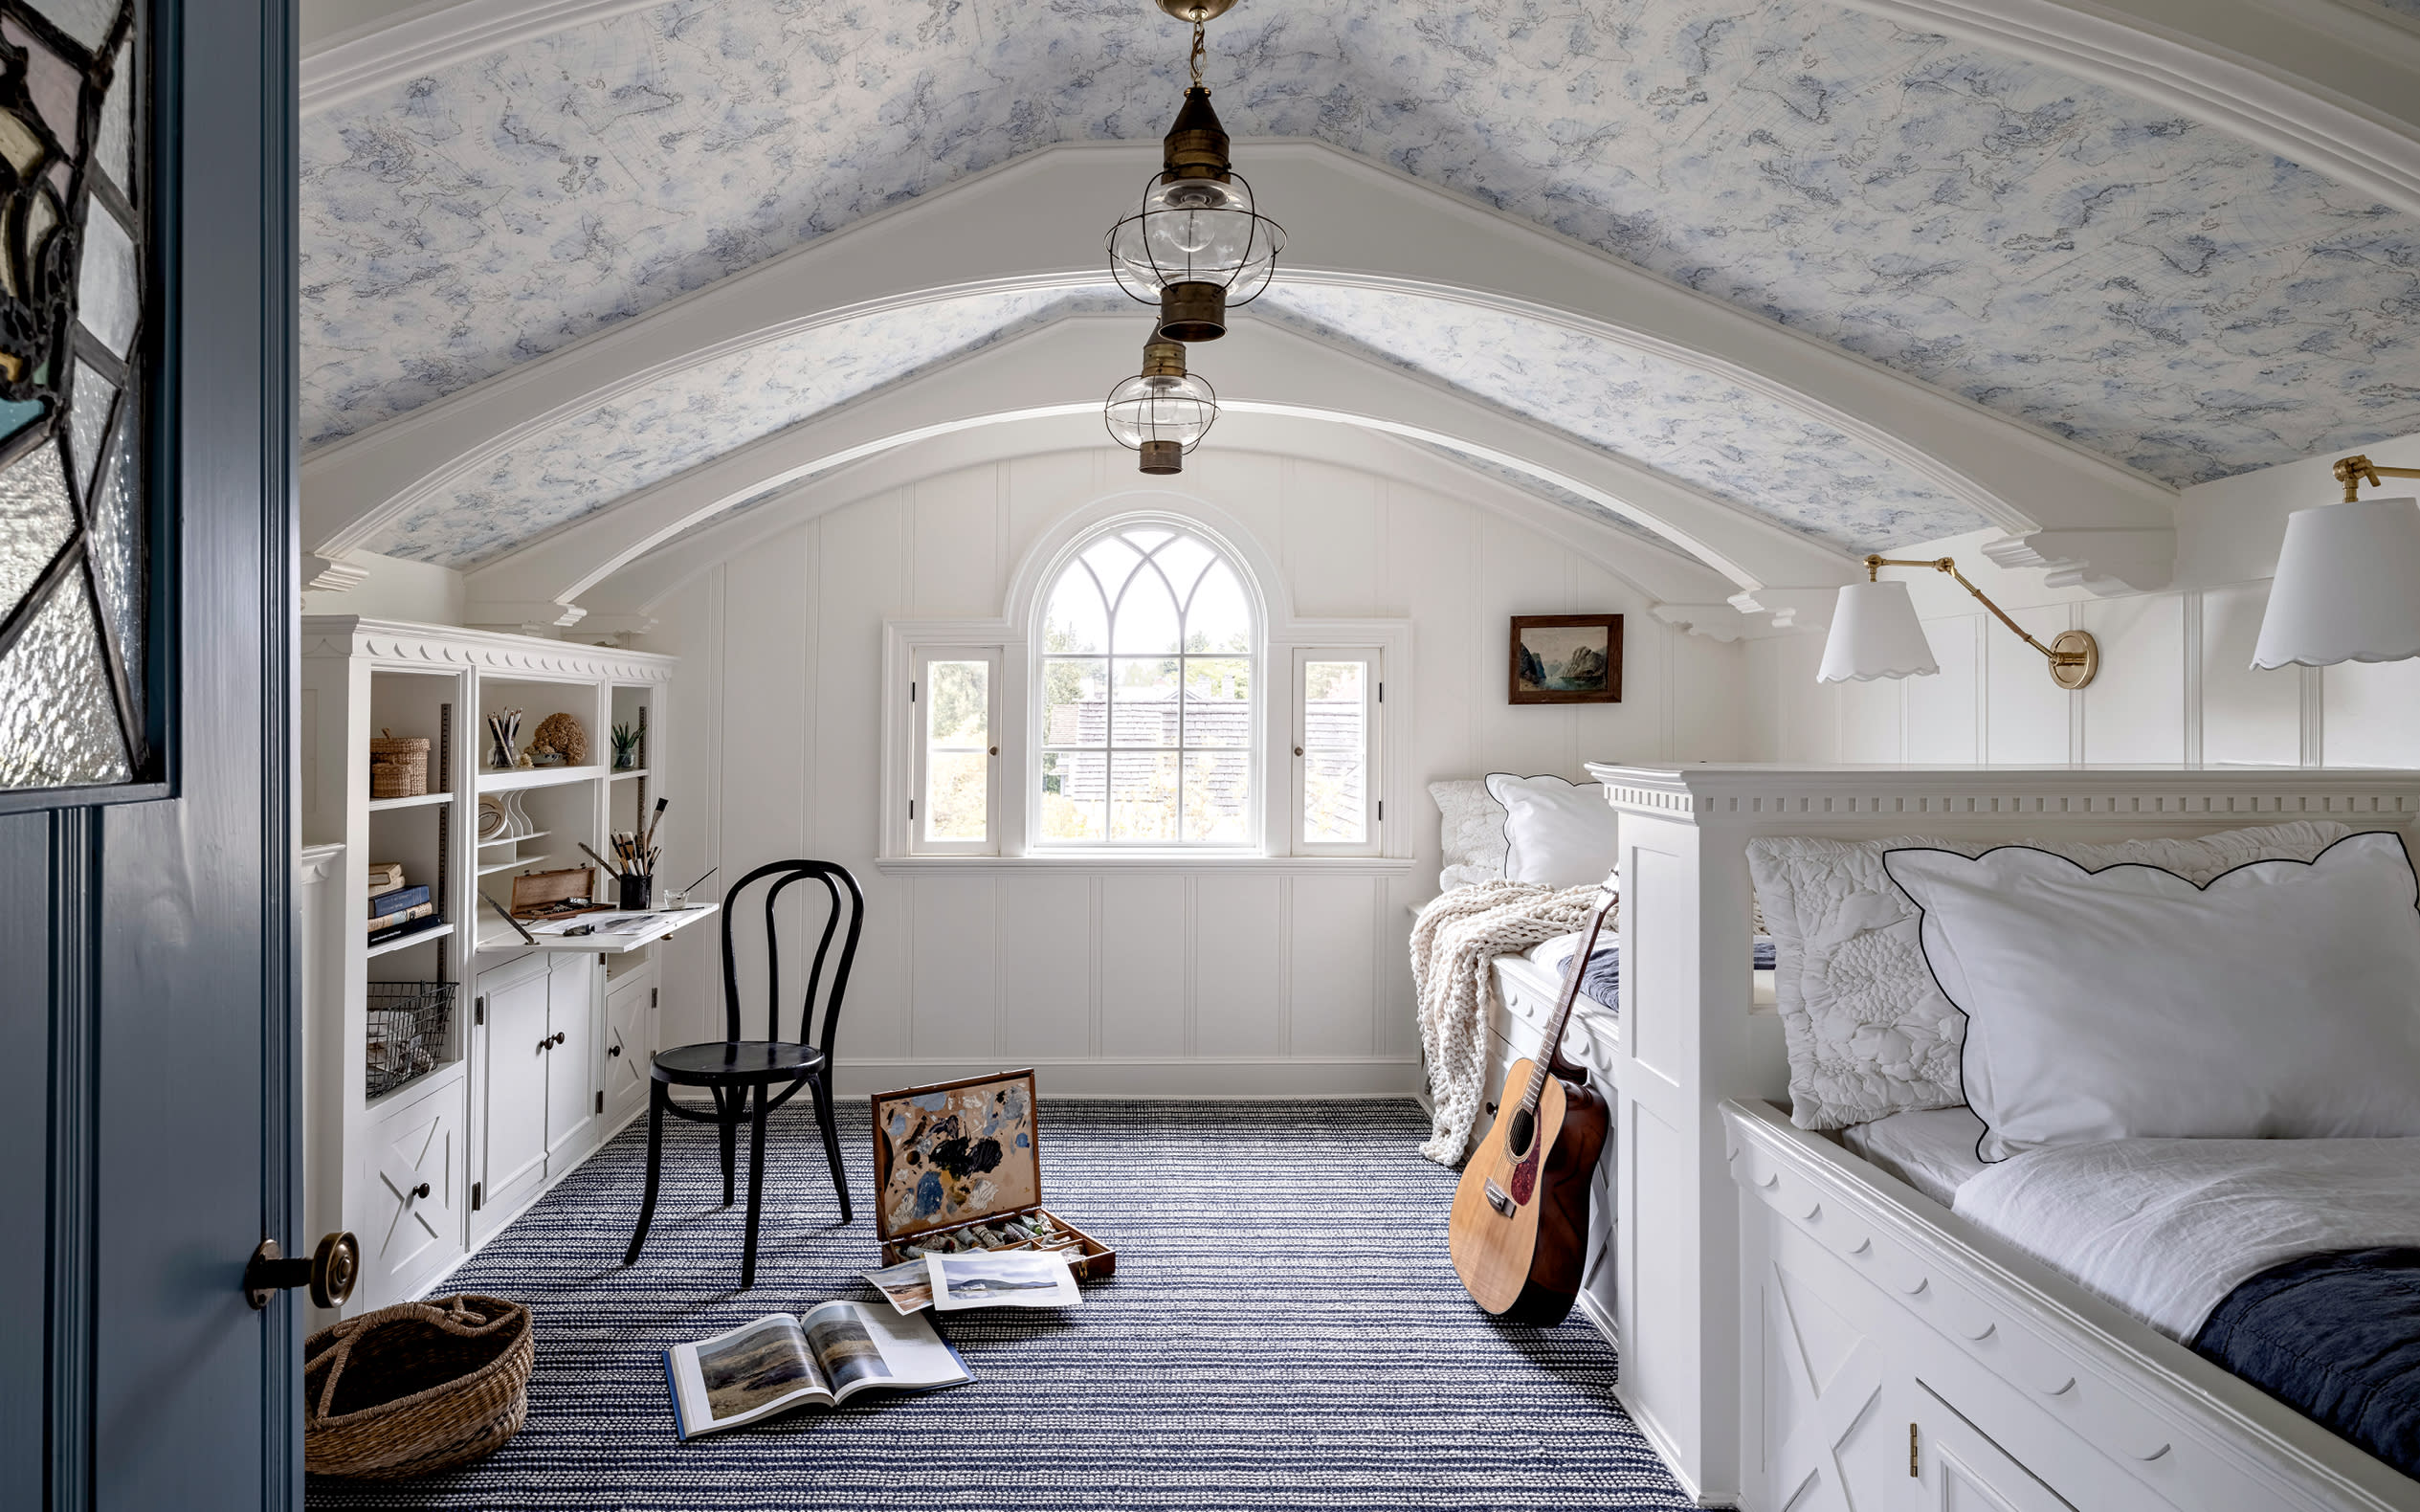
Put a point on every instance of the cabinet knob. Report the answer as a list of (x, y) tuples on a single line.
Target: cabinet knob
[(559, 1038), (613, 1050), (546, 1045), (420, 1191)]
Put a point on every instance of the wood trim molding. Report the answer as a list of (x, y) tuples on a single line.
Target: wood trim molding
[(1816, 796), (71, 1307), (422, 40), (2326, 85), (391, 640)]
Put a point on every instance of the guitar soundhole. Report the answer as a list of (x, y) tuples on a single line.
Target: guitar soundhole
[(1517, 1136)]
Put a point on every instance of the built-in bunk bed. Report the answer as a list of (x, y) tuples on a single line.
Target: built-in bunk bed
[(1829, 1296)]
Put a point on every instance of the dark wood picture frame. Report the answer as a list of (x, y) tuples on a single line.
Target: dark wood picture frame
[(1518, 689)]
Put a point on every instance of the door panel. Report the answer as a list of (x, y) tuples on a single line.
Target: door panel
[(513, 1089), (1962, 1470), (570, 1069), (629, 1042), (408, 1230)]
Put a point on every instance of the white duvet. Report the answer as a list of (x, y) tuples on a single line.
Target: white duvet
[(2165, 1228)]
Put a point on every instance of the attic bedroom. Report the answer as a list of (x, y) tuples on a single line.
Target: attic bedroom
[(1211, 755)]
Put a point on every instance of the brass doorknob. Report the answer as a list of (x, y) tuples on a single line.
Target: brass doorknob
[(331, 1272)]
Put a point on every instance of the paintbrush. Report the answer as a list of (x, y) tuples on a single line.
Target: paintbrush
[(599, 859), (648, 839)]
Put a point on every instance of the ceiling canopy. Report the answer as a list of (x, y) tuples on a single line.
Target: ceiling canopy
[(2149, 288)]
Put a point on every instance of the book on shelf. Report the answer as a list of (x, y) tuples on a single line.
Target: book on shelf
[(385, 877), (396, 902), (410, 923), (822, 1359)]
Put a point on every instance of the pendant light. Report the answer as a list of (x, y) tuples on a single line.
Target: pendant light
[(1197, 246), (1162, 412)]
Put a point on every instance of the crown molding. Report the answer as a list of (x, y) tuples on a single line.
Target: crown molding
[(369, 58), (485, 650)]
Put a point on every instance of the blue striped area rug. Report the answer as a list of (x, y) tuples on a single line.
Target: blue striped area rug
[(1284, 1330)]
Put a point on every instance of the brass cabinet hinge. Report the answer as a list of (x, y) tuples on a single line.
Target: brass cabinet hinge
[(1913, 1472), (474, 1194)]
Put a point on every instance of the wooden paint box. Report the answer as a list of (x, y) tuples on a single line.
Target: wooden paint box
[(542, 894), (961, 1155)]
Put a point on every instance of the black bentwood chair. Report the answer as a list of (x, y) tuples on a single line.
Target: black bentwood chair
[(732, 1068)]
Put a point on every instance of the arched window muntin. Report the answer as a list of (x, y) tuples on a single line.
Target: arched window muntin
[(1148, 700)]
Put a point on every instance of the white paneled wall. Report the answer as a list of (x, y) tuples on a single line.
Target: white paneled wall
[(1283, 977), (2176, 684)]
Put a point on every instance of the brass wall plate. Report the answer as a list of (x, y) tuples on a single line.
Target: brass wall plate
[(2074, 675)]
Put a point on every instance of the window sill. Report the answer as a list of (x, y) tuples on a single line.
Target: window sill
[(1161, 862)]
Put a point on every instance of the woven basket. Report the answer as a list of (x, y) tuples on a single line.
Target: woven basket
[(415, 1387), (398, 769)]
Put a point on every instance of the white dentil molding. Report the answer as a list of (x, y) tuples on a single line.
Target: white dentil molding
[(1055, 371), (425, 39), (488, 651), (1027, 225), (2334, 87)]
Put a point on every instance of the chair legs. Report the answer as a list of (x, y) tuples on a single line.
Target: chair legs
[(820, 1085), (728, 1107), (756, 1183), (655, 1098)]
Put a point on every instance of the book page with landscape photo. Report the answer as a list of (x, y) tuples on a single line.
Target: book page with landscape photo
[(754, 1370)]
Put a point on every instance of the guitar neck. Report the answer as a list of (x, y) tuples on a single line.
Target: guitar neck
[(1552, 1045)]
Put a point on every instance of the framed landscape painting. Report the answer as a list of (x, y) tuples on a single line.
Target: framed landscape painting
[(1566, 658)]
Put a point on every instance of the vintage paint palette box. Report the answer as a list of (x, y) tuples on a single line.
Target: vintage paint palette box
[(958, 1166)]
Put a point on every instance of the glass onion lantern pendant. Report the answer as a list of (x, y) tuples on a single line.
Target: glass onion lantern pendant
[(1196, 246), (1162, 412)]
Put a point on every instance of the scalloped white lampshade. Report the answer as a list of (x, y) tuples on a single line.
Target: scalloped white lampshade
[(2347, 587), (1875, 633)]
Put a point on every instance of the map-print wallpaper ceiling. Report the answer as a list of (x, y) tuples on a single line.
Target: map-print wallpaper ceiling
[(2160, 292)]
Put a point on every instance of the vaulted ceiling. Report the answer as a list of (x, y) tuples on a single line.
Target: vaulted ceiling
[(2077, 260)]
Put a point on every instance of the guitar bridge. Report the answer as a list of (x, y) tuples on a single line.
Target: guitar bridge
[(1497, 1200)]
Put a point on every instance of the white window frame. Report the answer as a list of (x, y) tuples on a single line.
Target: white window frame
[(1373, 658), (917, 817), (1255, 843)]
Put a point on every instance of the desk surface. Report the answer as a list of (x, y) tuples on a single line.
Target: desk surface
[(644, 928)]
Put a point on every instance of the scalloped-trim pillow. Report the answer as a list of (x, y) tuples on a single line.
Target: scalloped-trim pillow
[(1867, 1031)]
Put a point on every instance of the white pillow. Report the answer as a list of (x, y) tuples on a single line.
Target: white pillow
[(2279, 1001), (1557, 833), (1868, 1032), (1469, 832)]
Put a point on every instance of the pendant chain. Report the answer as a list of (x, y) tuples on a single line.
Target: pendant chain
[(1201, 45)]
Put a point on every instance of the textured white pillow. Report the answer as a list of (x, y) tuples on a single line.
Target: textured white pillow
[(2279, 1001), (1869, 1032), (1471, 831), (1557, 833)]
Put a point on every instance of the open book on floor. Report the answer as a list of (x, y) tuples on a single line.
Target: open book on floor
[(824, 1358), (981, 1278)]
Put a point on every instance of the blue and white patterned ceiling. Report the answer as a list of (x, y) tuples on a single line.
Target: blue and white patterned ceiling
[(2157, 290)]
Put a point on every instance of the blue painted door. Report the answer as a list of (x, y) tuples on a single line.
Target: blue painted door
[(147, 1012)]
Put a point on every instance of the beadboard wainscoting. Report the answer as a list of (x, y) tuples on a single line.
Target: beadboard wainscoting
[(1128, 977)]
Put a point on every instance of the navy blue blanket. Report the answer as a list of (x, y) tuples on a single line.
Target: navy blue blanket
[(1602, 981), (2337, 1337)]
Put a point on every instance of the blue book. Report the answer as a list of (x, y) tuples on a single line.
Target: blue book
[(396, 902)]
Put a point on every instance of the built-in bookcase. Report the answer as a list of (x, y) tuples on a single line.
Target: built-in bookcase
[(400, 1167)]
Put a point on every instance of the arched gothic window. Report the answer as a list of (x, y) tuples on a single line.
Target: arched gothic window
[(1148, 670)]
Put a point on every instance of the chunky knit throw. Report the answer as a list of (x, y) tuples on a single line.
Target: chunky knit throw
[(1451, 942)]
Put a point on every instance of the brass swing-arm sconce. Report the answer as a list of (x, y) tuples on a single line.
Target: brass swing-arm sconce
[(2073, 655), (2355, 470)]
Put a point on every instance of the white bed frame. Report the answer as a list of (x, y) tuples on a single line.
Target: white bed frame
[(1800, 1331)]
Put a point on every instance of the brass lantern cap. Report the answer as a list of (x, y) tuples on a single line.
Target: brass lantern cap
[(1194, 312), (1163, 358), (1195, 146), (1160, 458), (1193, 12)]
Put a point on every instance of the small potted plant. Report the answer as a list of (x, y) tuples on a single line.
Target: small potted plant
[(625, 747)]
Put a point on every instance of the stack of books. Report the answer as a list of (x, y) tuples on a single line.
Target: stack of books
[(396, 910)]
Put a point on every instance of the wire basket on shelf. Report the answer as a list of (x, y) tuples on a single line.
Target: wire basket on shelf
[(408, 1022)]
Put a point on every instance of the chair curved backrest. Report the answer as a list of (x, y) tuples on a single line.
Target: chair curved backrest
[(846, 900)]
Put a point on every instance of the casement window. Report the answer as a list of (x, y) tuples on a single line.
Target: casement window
[(1146, 679), (1339, 692), (954, 807)]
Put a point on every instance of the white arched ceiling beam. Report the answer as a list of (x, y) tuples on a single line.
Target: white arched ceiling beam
[(2334, 87), (425, 39), (1684, 591), (1058, 370), (1030, 223)]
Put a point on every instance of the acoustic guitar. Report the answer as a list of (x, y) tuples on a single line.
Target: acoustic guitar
[(1519, 1229)]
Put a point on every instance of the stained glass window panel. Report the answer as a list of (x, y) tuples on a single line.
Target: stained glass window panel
[(117, 560), (116, 153), (36, 520), (87, 21), (88, 422), (58, 719), (109, 299)]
